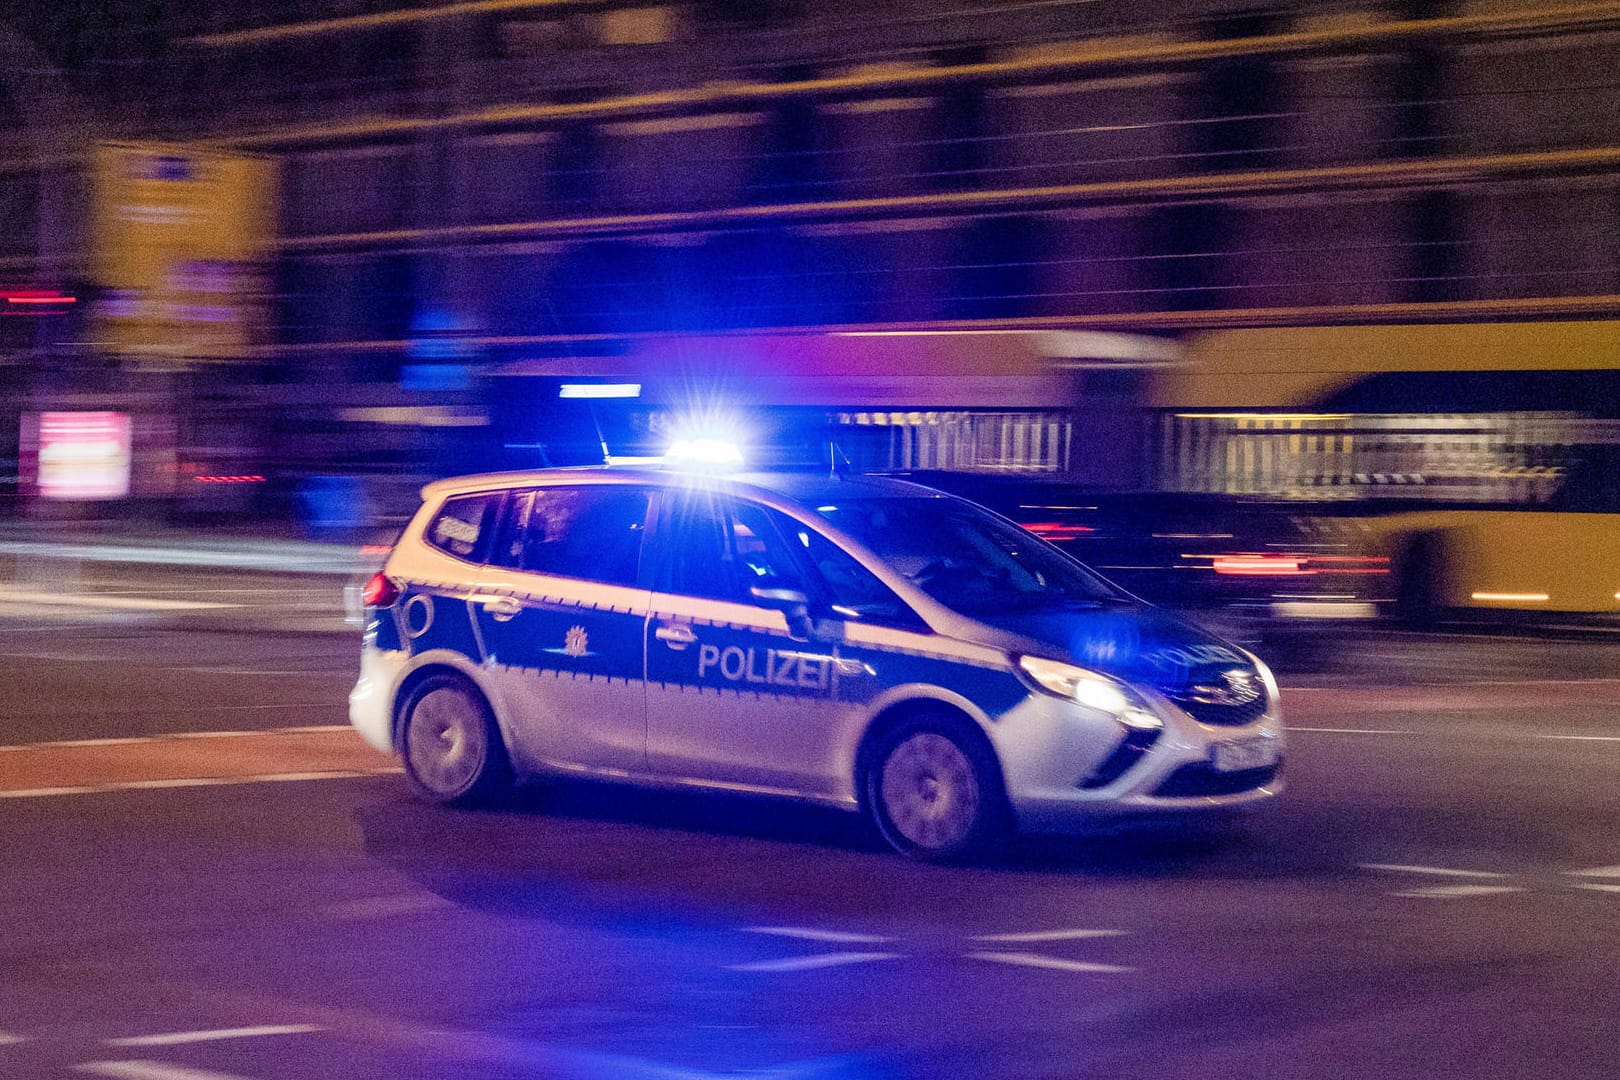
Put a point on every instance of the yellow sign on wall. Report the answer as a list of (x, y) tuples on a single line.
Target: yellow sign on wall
[(181, 239)]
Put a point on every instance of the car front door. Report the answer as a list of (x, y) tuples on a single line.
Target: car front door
[(733, 697), (562, 612)]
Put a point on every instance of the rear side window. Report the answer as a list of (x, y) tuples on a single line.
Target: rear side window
[(462, 527), (591, 532)]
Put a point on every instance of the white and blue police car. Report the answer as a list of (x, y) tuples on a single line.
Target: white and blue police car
[(861, 642)]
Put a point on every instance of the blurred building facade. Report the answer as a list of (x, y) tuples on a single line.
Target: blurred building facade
[(466, 185)]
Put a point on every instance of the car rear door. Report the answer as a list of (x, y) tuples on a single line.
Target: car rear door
[(562, 612)]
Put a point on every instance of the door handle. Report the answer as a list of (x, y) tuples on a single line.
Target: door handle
[(500, 608), (675, 635)]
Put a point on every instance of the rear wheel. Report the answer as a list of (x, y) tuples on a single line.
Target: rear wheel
[(934, 792), (450, 745)]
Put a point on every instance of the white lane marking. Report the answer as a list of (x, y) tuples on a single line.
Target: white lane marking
[(66, 658), (304, 593), (1393, 731), (8, 1039), (1583, 738), (381, 907), (316, 559), (92, 657), (121, 603), (1597, 886), (194, 709), (1542, 682), (94, 742), (806, 934), (176, 1038), (199, 781), (175, 782), (1036, 960), (133, 739), (243, 671), (150, 1070), (45, 792), (1050, 935), (1462, 685), (1439, 871), (292, 777), (1596, 871), (1447, 892), (35, 630), (806, 963)]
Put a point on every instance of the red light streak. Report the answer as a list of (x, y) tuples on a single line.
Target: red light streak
[(1257, 564), (1056, 530), (1261, 565)]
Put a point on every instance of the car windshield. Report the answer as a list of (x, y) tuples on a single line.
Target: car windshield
[(967, 558)]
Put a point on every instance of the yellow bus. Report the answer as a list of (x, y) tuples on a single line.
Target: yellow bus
[(1484, 459)]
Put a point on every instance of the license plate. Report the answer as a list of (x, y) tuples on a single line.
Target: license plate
[(1241, 754)]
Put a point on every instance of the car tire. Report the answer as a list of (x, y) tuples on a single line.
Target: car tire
[(933, 790), (451, 746)]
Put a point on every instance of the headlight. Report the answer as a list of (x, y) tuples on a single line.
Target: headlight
[(1091, 690), (1266, 678)]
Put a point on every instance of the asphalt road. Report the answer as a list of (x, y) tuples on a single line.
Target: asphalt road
[(222, 884)]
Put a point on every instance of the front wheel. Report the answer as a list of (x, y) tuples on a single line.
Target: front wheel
[(935, 794), (450, 745)]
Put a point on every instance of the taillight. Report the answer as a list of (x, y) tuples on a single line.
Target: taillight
[(380, 591)]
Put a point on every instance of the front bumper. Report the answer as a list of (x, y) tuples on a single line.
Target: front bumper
[(1176, 775)]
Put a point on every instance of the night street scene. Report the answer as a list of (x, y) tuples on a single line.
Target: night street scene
[(789, 540)]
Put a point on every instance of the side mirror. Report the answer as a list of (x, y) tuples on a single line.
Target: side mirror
[(791, 603)]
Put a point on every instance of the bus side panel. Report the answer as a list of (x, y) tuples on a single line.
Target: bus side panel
[(1518, 560), (1572, 559)]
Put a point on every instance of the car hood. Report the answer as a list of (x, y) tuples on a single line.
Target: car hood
[(1135, 643)]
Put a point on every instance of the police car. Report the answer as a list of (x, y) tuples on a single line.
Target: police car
[(862, 642)]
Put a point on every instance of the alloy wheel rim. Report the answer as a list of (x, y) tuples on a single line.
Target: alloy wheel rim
[(446, 741), (929, 791)]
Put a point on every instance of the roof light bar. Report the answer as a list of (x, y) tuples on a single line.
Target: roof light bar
[(600, 390), (703, 454)]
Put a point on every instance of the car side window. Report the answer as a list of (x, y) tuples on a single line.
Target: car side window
[(851, 590), (721, 548), (761, 557), (592, 532), (463, 526)]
